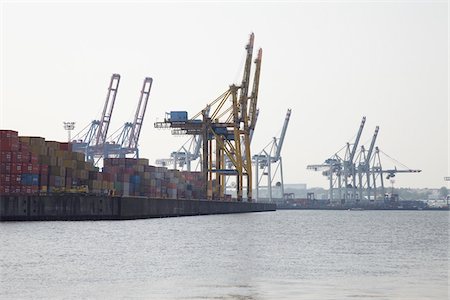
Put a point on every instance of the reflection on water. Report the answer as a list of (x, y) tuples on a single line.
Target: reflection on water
[(285, 254)]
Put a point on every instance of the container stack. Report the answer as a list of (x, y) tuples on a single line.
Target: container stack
[(194, 184), (61, 169), (19, 168), (30, 165), (135, 177)]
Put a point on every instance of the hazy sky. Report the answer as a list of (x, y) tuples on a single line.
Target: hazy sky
[(331, 62)]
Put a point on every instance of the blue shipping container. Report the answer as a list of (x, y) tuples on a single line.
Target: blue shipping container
[(25, 179), (34, 179), (178, 116), (135, 179)]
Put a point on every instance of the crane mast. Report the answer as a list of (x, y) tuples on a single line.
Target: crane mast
[(252, 128), (253, 113), (245, 79), (140, 114), (349, 165), (372, 145), (358, 136), (283, 134), (366, 166), (107, 111)]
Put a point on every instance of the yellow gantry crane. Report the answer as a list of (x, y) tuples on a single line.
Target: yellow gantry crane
[(226, 125)]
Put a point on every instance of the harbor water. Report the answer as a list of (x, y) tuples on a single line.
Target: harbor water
[(301, 254)]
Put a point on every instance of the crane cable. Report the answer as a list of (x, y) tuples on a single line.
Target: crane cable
[(393, 159)]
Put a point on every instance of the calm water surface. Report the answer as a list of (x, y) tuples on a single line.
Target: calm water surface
[(277, 255)]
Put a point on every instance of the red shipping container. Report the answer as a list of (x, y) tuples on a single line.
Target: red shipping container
[(16, 168), (24, 189), (17, 157), (8, 134), (27, 168), (9, 144), (16, 179), (30, 168), (24, 147), (106, 176), (14, 189), (5, 189), (25, 156), (65, 146), (5, 179), (5, 168), (33, 158), (43, 169), (5, 156)]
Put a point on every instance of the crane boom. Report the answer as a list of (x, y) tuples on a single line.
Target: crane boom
[(252, 128), (107, 111), (246, 77), (358, 136), (283, 134), (254, 96), (372, 145), (140, 113)]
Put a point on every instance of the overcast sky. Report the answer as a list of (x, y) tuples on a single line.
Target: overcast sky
[(331, 62)]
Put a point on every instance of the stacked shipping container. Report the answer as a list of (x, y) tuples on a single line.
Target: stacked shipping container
[(31, 165), (19, 168), (136, 177)]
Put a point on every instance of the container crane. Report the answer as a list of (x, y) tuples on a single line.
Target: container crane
[(332, 169), (186, 154), (127, 141), (364, 167), (377, 173), (92, 143), (270, 155), (223, 131), (369, 165), (349, 165)]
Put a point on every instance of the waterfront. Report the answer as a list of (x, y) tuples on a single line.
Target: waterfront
[(285, 254)]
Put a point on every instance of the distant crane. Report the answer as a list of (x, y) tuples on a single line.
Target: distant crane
[(358, 173), (349, 170), (185, 155), (127, 142), (271, 155), (363, 168), (92, 143)]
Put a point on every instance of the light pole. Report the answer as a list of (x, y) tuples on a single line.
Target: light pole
[(69, 126)]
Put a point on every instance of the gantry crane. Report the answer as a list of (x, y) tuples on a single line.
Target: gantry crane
[(92, 143), (349, 168), (271, 154), (184, 156), (378, 173), (332, 169), (226, 131), (127, 142), (343, 172), (363, 168)]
